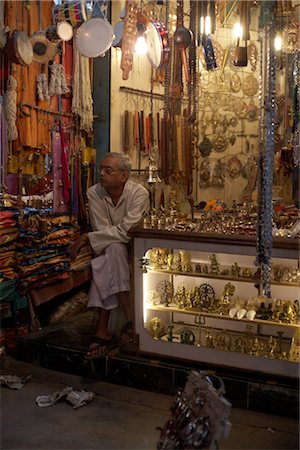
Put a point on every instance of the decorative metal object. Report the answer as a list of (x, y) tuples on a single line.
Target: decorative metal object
[(187, 337), (235, 83), (156, 327), (250, 86), (166, 291)]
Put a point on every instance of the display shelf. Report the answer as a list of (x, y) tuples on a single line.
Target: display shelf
[(194, 312), (219, 277), (267, 343)]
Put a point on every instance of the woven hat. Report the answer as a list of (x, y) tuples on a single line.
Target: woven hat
[(43, 49)]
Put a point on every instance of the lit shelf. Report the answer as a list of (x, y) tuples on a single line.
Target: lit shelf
[(195, 312), (217, 277)]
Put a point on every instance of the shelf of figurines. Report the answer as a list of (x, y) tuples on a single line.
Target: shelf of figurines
[(256, 326), (280, 276), (240, 220), (221, 338), (207, 292), (235, 314), (270, 331), (179, 262), (272, 347)]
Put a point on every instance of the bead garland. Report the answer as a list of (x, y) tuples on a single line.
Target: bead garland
[(167, 68), (267, 124)]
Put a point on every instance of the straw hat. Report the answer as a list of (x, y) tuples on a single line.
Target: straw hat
[(43, 49)]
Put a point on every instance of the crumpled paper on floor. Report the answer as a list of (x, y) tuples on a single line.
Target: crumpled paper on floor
[(77, 398), (14, 381)]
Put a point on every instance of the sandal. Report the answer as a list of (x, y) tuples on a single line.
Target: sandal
[(99, 348)]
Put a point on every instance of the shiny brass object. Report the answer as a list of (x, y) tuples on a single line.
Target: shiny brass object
[(214, 265), (156, 328)]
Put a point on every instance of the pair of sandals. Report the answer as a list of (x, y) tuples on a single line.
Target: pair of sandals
[(101, 347)]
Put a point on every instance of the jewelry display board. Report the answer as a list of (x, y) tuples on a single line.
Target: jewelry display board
[(196, 298)]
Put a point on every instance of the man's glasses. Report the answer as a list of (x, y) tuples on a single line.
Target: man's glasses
[(108, 170)]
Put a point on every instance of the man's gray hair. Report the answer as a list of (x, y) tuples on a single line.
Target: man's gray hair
[(124, 160)]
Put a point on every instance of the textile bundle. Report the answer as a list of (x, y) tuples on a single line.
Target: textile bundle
[(43, 249)]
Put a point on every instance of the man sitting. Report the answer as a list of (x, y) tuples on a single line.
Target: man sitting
[(115, 206)]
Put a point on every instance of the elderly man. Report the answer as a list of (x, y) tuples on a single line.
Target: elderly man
[(115, 206)]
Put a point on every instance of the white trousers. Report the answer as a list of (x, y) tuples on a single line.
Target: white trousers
[(111, 274)]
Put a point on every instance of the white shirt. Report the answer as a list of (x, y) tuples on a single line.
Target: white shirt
[(110, 223)]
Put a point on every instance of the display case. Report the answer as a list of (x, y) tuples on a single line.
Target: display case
[(197, 297)]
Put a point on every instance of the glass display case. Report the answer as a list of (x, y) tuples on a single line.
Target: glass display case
[(198, 297)]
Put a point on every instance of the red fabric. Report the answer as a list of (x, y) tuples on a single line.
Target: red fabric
[(65, 165)]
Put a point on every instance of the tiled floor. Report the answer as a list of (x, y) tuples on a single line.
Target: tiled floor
[(62, 347), (118, 418)]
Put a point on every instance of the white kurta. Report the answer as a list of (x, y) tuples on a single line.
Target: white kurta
[(110, 224)]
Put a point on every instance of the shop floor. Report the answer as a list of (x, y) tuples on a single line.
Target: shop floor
[(62, 347)]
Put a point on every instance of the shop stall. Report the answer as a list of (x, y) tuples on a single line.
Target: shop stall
[(204, 98)]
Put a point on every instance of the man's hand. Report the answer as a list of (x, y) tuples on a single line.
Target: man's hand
[(78, 244)]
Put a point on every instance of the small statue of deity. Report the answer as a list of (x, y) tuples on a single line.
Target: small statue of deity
[(214, 265), (235, 270), (271, 347), (209, 339)]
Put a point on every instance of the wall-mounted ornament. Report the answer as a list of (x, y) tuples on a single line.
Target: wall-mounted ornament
[(62, 31), (74, 12), (252, 55), (158, 44), (233, 122), (250, 86), (232, 139), (204, 173), (290, 39), (240, 56), (205, 147), (240, 108), (18, 48), (129, 37), (43, 49), (252, 112), (235, 83), (220, 143), (94, 37), (118, 33), (234, 167)]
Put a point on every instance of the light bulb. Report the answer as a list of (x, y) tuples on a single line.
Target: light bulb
[(201, 25), (141, 46), (277, 43), (238, 30), (207, 25)]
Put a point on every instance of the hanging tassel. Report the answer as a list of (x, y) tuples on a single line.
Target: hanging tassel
[(58, 84), (42, 87), (10, 108)]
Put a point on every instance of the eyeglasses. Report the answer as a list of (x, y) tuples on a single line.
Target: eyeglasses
[(108, 170)]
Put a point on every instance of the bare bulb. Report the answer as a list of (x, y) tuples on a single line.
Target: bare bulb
[(277, 43), (238, 30), (141, 47), (201, 25), (207, 25)]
